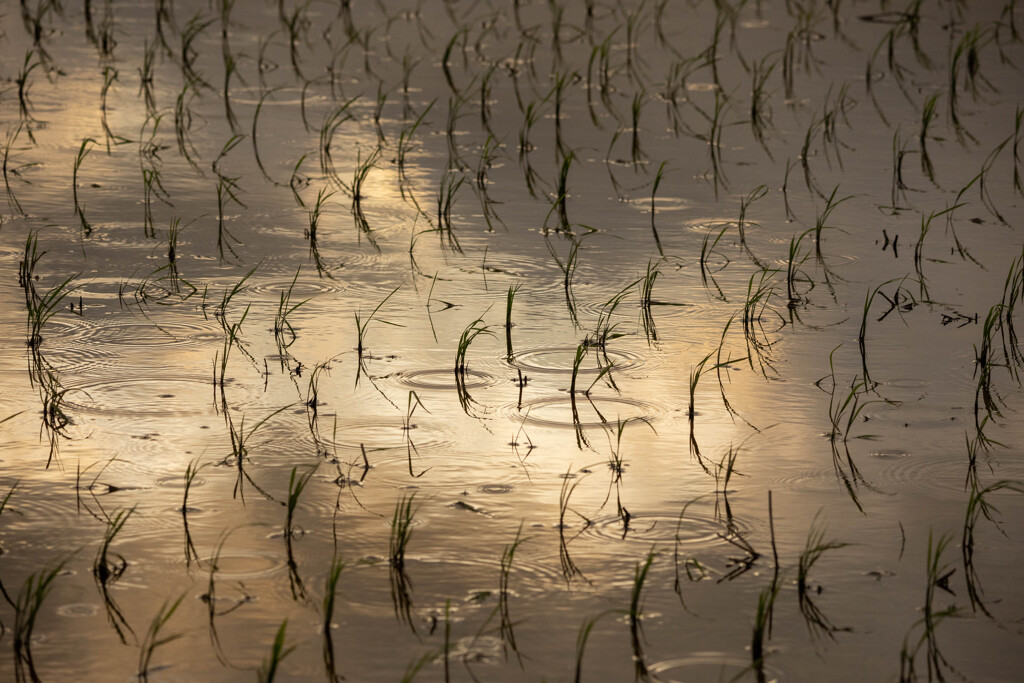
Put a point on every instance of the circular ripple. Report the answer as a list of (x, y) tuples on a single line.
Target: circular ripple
[(303, 289), (80, 360), (914, 414), (907, 383), (443, 379), (557, 411), (701, 666), (496, 488), (559, 360), (137, 333), (695, 529), (240, 565), (143, 396), (896, 470), (388, 435), (78, 609)]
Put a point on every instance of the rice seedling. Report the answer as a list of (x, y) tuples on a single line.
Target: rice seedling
[(446, 193), (472, 331), (760, 109), (41, 308), (446, 59), (1018, 120), (487, 156), (937, 575), (570, 569), (12, 168), (284, 332), (107, 568), (183, 122), (296, 484), (240, 452), (191, 470), (362, 325), (330, 597), (845, 406), (146, 76), (815, 547), (928, 114), (401, 534), (745, 202), (869, 298), (794, 269), (755, 306), (193, 29), (604, 328), (965, 66), (83, 151), (986, 167), (762, 629), (654, 191), (27, 605), (454, 114), (707, 250), (509, 299), (635, 614), (582, 636), (314, 215), (278, 651), (253, 136), (404, 142), (985, 399), (109, 77), (154, 637), (636, 152), (507, 627), (568, 268), (978, 505), (363, 168), (21, 81), (714, 140)]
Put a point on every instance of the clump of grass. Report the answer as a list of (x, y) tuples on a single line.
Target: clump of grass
[(401, 534), (937, 576), (330, 596), (10, 168), (741, 223), (472, 331), (815, 547), (363, 324), (27, 606), (227, 193), (507, 627), (509, 299), (979, 506), (154, 637), (762, 628), (448, 190), (278, 651), (635, 614), (83, 151), (284, 332), (821, 221), (107, 568), (296, 485)]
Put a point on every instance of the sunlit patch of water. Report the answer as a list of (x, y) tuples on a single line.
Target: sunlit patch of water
[(165, 395), (443, 379), (560, 360), (586, 412)]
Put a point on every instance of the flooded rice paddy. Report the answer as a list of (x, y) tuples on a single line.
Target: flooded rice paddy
[(598, 340)]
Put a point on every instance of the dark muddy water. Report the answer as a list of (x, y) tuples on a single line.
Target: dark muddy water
[(511, 341)]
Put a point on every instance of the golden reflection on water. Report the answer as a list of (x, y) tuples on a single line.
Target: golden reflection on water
[(506, 444)]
